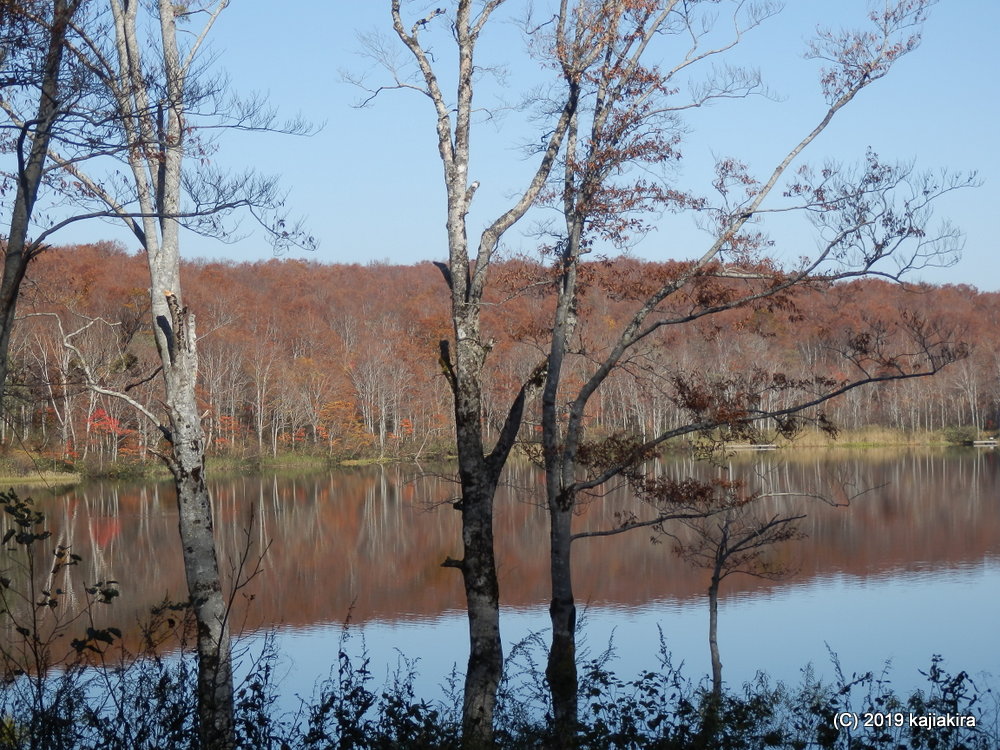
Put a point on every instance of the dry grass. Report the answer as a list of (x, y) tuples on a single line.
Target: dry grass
[(866, 437)]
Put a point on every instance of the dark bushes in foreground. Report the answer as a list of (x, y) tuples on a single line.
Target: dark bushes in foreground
[(150, 704)]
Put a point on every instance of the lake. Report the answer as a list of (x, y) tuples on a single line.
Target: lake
[(909, 568)]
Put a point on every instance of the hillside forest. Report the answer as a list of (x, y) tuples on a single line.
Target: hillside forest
[(341, 360)]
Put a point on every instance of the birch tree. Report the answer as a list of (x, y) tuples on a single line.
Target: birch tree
[(462, 359), (143, 98), (159, 106), (153, 122)]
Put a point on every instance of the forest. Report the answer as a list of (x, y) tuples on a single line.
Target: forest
[(346, 365)]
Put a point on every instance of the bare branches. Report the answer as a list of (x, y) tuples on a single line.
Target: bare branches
[(863, 220), (875, 212), (384, 56), (425, 20), (108, 114), (91, 381), (433, 88), (737, 540), (203, 34), (857, 57), (631, 525), (912, 347)]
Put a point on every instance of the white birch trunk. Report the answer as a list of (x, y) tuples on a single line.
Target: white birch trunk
[(156, 135)]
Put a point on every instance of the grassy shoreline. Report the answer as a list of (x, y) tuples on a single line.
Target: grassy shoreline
[(869, 437), (42, 477), (24, 469)]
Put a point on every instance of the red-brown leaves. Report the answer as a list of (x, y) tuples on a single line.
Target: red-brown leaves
[(665, 493), (612, 451), (858, 57), (351, 344)]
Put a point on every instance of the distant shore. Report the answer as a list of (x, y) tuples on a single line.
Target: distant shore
[(24, 469)]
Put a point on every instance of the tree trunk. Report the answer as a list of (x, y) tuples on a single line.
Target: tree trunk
[(713, 637), (201, 567), (710, 724), (157, 135), (479, 477), (29, 177), (482, 591), (560, 467), (561, 669), (466, 280)]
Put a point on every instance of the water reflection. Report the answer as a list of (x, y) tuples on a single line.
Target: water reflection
[(908, 569)]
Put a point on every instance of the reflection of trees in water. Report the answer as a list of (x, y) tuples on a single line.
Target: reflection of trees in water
[(375, 538)]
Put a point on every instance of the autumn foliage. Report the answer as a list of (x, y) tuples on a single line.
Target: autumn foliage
[(343, 360)]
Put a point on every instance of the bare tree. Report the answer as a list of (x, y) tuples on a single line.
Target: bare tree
[(733, 536), (873, 220), (32, 62), (149, 82), (154, 103), (462, 360)]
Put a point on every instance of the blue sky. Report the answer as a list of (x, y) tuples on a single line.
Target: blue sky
[(369, 183)]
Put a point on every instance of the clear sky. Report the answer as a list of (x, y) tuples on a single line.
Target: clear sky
[(369, 183)]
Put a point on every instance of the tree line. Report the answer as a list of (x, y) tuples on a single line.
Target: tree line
[(346, 366)]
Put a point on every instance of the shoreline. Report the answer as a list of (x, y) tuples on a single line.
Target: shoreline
[(19, 475)]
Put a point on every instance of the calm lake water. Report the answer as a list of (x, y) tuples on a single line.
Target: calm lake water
[(909, 569)]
